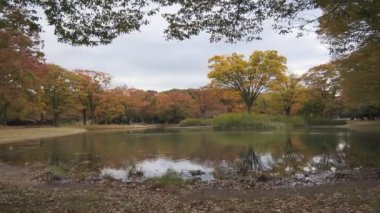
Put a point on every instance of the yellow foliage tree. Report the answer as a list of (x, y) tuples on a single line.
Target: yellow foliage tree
[(250, 77)]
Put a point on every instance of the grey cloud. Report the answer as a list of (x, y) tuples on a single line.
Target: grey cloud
[(146, 60)]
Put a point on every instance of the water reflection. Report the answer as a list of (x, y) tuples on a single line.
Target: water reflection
[(205, 151), (250, 162), (158, 167)]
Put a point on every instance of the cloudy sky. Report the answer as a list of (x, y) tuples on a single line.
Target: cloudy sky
[(146, 60)]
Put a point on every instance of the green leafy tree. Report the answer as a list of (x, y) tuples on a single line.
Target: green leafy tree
[(250, 77)]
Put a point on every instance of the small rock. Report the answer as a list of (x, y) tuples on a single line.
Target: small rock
[(299, 176), (196, 172)]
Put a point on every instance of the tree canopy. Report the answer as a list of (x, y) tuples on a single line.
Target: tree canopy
[(345, 24), (250, 77)]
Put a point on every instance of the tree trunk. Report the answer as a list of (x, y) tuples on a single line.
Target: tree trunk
[(249, 100), (287, 111), (92, 117), (106, 117), (249, 108), (84, 112), (55, 119), (3, 115), (42, 118)]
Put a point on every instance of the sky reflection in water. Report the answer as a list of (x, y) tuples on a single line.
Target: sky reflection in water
[(154, 152)]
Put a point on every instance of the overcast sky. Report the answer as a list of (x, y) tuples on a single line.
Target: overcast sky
[(145, 60)]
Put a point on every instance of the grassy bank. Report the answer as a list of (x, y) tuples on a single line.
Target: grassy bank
[(325, 122), (8, 135), (367, 126), (247, 121), (117, 127), (15, 134)]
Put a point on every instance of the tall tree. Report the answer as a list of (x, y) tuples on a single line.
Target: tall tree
[(361, 77), (60, 87), (19, 54), (324, 82), (208, 101), (93, 84), (289, 90), (110, 105), (250, 77), (175, 105)]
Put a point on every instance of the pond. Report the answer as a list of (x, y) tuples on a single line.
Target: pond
[(203, 154)]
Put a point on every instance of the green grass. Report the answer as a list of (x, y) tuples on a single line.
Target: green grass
[(246, 121), (58, 171), (196, 122), (171, 178), (256, 122)]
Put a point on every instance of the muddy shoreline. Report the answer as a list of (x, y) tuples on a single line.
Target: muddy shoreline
[(29, 188)]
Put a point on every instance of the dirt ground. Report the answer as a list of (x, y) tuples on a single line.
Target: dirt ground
[(23, 190)]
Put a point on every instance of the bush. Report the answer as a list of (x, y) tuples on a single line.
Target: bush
[(325, 122), (292, 121), (195, 122), (256, 122)]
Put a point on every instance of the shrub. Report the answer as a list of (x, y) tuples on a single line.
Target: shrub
[(245, 121)]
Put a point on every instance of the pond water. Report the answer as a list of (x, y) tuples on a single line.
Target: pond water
[(203, 154)]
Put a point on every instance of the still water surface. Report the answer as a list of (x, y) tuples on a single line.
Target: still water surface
[(201, 153)]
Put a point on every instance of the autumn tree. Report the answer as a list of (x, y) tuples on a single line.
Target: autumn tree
[(140, 105), (93, 84), (324, 83), (20, 56), (175, 105), (122, 95), (250, 77), (61, 88), (208, 100), (289, 91), (361, 80), (110, 105)]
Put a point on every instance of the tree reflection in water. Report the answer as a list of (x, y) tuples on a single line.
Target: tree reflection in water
[(291, 159), (250, 162)]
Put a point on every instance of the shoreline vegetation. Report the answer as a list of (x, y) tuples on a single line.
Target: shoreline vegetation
[(232, 121), (245, 121)]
